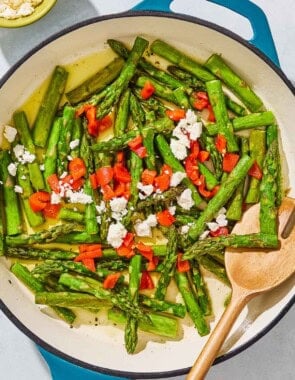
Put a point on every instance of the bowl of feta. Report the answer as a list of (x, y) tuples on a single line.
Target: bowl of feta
[(17, 13)]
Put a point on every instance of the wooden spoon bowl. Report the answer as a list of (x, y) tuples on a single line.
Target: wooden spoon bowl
[(251, 272)]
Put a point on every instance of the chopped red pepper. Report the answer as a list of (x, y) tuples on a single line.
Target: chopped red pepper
[(93, 181), (104, 175), (51, 210), (162, 182), (195, 148), (108, 192), (89, 264), (135, 143), (176, 114), (121, 174), (229, 161), (53, 182), (165, 218), (105, 123), (147, 252), (39, 200), (146, 281), (222, 231), (111, 280), (147, 91), (211, 116), (141, 151), (202, 100), (89, 247), (220, 143), (77, 168), (203, 155), (182, 265), (255, 171), (166, 169), (128, 239), (148, 176), (125, 251), (93, 123)]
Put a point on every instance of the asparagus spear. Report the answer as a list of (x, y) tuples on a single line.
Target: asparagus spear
[(69, 299), (161, 91), (168, 265), (234, 208), (126, 74), (214, 267), (137, 112), (217, 101), (62, 266), (159, 324), (252, 120), (35, 219), (71, 215), (122, 117), (219, 67), (45, 236), (209, 245), (97, 82), (272, 138), (169, 159), (257, 145), (157, 199), (177, 309), (23, 274), (210, 179), (63, 145), (2, 227), (38, 253), (221, 198), (90, 286), (11, 204), (131, 326), (201, 290), (216, 157), (22, 126), (145, 65), (48, 106), (268, 189), (76, 136), (117, 143), (192, 306), (50, 162), (178, 58)]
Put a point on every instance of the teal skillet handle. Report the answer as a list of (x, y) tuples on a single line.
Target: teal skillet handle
[(262, 37), (63, 370)]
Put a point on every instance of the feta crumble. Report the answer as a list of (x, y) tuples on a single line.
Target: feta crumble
[(176, 178), (144, 228), (22, 155), (12, 168), (9, 133), (74, 144), (18, 189), (116, 234), (13, 9), (145, 190), (185, 199)]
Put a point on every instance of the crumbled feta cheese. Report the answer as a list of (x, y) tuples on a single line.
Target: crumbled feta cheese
[(185, 199), (213, 226), (55, 198), (184, 229), (188, 129), (70, 158), (10, 133), (221, 220), (178, 149), (12, 168), (23, 177), (22, 155), (13, 9), (176, 178), (118, 204), (204, 235), (145, 190), (74, 144), (42, 167), (78, 197), (116, 234), (101, 207), (98, 219), (18, 189), (63, 175), (144, 228), (172, 210)]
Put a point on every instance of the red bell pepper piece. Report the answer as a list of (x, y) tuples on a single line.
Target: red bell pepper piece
[(148, 176), (222, 231), (220, 143), (111, 280), (51, 210), (147, 91), (182, 265), (89, 264), (53, 182), (165, 218), (146, 281), (104, 175), (39, 200), (77, 168), (255, 171), (229, 161), (176, 114)]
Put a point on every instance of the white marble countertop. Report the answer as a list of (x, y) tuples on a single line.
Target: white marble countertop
[(272, 357)]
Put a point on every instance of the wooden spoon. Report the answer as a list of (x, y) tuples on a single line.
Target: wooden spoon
[(250, 274)]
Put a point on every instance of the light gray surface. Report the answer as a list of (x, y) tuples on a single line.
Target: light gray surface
[(272, 357)]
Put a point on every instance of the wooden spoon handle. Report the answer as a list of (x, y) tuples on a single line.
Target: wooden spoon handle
[(203, 363)]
